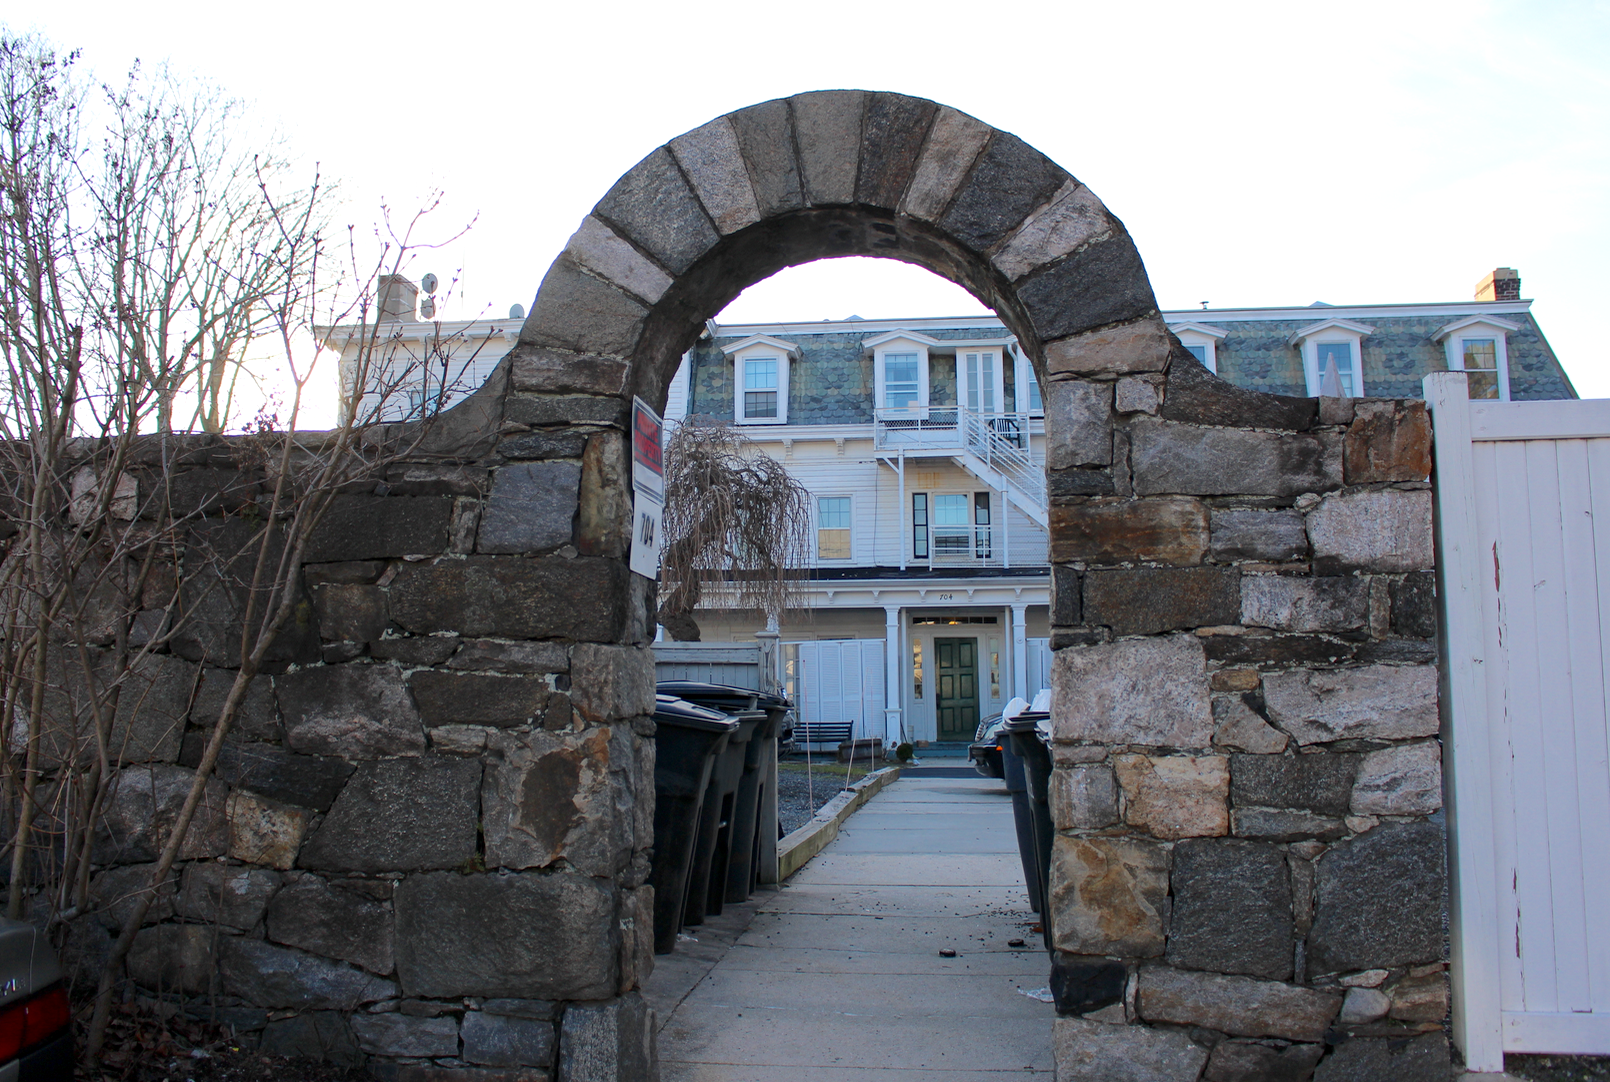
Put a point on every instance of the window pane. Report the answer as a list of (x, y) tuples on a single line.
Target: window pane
[(1200, 353), (760, 374), (1481, 354), (1036, 403), (833, 512), (900, 372), (833, 544), (1483, 384), (916, 668), (760, 404), (919, 525), (950, 510), (1342, 354)]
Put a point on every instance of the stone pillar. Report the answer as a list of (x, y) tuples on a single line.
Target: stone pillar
[(893, 643), (1020, 653)]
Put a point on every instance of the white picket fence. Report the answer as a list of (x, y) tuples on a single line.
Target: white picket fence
[(1525, 584)]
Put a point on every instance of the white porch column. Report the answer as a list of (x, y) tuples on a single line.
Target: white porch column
[(1020, 653), (892, 653)]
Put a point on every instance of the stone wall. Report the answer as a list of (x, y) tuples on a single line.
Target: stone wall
[(1248, 876)]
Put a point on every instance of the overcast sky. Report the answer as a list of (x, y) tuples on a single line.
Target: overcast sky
[(1260, 154)]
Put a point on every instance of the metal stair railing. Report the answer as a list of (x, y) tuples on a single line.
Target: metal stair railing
[(987, 439)]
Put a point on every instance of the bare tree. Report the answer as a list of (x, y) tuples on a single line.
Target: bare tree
[(735, 521)]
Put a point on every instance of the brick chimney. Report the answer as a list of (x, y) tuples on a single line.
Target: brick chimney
[(1503, 284), (398, 299)]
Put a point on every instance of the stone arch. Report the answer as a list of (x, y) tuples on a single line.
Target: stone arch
[(1227, 571)]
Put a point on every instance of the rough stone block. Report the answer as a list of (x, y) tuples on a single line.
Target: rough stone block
[(532, 507), (551, 444), (518, 598), (380, 527), (354, 711), (608, 1042), (1321, 783), (604, 512), (490, 655), (765, 134), (1139, 346), (1168, 457), (1277, 536), (608, 683), (1067, 603), (1388, 441), (1176, 796), (309, 781), (1137, 394), (1239, 1006), (1073, 218), (473, 698), (345, 919), (1061, 484), (1401, 780), (1289, 603), (1009, 180), (224, 553), (714, 165), (1372, 530), (1238, 727), (151, 709), (578, 312), (1414, 605), (558, 372), (1284, 825), (351, 613), (1168, 530), (827, 124), (1193, 395), (654, 207), (400, 814), (501, 1041), (222, 894), (265, 832), (1079, 412), (1109, 896), (1420, 997), (549, 797), (1266, 650), (1388, 702), (321, 1035), (1380, 900), (116, 891), (1144, 601), (1087, 1051), (892, 134), (954, 144), (1101, 284), (534, 935), (142, 808), (1248, 1061), (1370, 1059), (173, 958), (1363, 1006), (601, 250), (1232, 909), (266, 975), (1084, 797), (1081, 984), (395, 1034), (1135, 691)]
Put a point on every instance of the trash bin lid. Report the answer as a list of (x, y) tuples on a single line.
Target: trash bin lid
[(675, 711), (728, 697), (1026, 722)]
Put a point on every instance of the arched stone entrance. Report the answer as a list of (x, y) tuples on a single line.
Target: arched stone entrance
[(1246, 774)]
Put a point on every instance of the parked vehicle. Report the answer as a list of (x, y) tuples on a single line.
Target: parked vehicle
[(36, 1033), (985, 750)]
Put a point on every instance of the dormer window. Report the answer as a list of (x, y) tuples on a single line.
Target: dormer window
[(1478, 346), (1202, 340), (760, 379), (1333, 357), (900, 371)]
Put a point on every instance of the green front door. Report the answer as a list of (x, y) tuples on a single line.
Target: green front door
[(957, 697)]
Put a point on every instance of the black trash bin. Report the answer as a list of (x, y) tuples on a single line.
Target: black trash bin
[(1029, 744), (712, 853), (1016, 777), (743, 864), (687, 741)]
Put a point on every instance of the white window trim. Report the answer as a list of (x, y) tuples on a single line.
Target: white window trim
[(816, 514), (1022, 374), (900, 342), (1204, 335), (758, 347), (1453, 338), (999, 379), (1308, 339)]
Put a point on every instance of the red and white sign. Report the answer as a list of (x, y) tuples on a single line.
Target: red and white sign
[(648, 484)]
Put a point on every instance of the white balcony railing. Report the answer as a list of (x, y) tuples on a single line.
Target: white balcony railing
[(998, 441)]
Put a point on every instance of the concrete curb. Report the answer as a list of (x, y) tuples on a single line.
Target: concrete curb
[(803, 844)]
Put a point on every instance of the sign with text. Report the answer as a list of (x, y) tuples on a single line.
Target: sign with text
[(648, 485)]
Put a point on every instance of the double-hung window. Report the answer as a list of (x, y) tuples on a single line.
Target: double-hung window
[(1479, 347), (760, 379), (900, 374), (832, 527), (953, 529), (760, 388), (1333, 357), (981, 380)]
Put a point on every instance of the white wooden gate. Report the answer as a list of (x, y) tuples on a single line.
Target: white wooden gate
[(841, 680), (1525, 585)]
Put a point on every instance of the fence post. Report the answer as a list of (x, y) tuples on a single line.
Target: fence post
[(1473, 965)]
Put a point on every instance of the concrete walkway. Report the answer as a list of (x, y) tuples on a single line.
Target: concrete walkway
[(839, 976)]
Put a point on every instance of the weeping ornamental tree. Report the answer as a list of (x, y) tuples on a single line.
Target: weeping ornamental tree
[(736, 523)]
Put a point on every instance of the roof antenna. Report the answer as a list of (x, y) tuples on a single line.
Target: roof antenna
[(1204, 306)]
